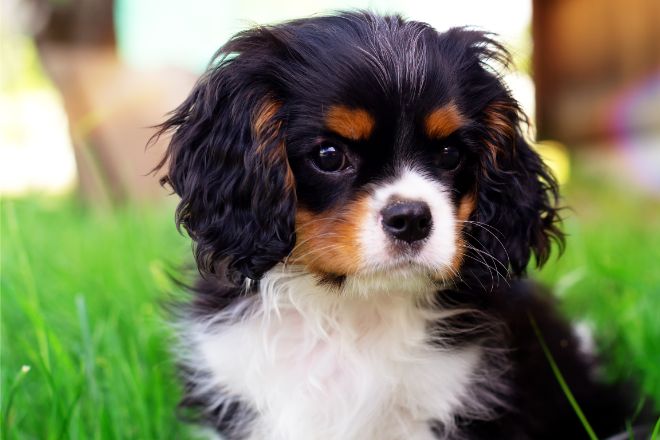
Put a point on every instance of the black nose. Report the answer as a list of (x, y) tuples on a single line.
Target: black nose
[(407, 220)]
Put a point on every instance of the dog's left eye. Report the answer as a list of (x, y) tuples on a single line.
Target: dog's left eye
[(330, 158)]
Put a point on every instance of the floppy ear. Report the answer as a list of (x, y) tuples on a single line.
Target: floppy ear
[(227, 161), (517, 194)]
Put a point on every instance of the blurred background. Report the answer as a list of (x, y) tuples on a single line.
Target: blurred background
[(87, 235)]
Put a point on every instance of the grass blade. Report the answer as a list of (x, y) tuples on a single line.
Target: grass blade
[(656, 430), (560, 378), (10, 399)]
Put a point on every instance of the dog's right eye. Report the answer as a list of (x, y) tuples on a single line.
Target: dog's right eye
[(449, 157), (330, 158)]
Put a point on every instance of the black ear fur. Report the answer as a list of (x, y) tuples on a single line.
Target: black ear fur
[(227, 161), (517, 195)]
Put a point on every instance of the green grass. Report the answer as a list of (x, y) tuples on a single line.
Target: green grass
[(609, 276), (84, 344)]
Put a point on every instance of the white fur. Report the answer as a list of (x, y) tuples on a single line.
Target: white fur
[(438, 249), (317, 364)]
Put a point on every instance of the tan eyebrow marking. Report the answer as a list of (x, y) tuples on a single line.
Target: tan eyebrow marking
[(352, 123), (443, 121)]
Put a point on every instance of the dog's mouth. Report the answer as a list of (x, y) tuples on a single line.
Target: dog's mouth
[(401, 250), (405, 267), (404, 276), (397, 272)]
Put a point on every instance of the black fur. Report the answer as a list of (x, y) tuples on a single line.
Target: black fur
[(536, 406), (233, 204), (238, 206)]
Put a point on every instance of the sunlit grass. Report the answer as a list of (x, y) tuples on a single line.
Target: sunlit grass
[(84, 347)]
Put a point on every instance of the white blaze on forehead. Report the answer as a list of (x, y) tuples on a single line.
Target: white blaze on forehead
[(437, 251)]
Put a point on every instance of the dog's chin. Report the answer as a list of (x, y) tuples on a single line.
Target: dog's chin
[(402, 276)]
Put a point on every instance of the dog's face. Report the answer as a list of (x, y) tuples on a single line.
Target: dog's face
[(382, 188), (358, 145)]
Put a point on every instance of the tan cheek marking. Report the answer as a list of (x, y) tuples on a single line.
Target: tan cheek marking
[(328, 242), (354, 124), (465, 209), (443, 121)]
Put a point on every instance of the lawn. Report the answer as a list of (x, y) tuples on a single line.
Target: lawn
[(84, 339), (84, 345)]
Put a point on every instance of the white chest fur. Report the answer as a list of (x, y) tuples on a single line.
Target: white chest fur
[(318, 365)]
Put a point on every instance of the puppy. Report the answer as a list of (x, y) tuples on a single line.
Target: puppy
[(363, 206)]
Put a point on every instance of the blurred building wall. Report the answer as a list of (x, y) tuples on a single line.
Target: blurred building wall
[(111, 107), (587, 54)]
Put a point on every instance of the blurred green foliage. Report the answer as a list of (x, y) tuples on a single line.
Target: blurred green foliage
[(609, 276), (21, 67)]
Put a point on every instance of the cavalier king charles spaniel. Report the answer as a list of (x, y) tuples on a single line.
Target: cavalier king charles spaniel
[(363, 207)]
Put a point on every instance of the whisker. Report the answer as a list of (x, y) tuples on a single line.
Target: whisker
[(322, 219), (483, 250), (485, 264), (299, 244), (335, 246), (489, 228), (320, 250), (482, 260)]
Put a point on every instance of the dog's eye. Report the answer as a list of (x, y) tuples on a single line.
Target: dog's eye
[(330, 158), (449, 157)]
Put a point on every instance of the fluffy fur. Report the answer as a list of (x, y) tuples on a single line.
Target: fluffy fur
[(313, 318)]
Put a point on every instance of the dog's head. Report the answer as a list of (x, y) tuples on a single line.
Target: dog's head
[(356, 145)]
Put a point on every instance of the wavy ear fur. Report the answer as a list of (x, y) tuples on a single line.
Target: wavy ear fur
[(517, 195), (227, 161)]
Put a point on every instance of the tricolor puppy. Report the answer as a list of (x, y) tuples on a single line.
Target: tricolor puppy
[(363, 206)]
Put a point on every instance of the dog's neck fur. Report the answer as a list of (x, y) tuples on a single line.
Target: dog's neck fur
[(315, 361)]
